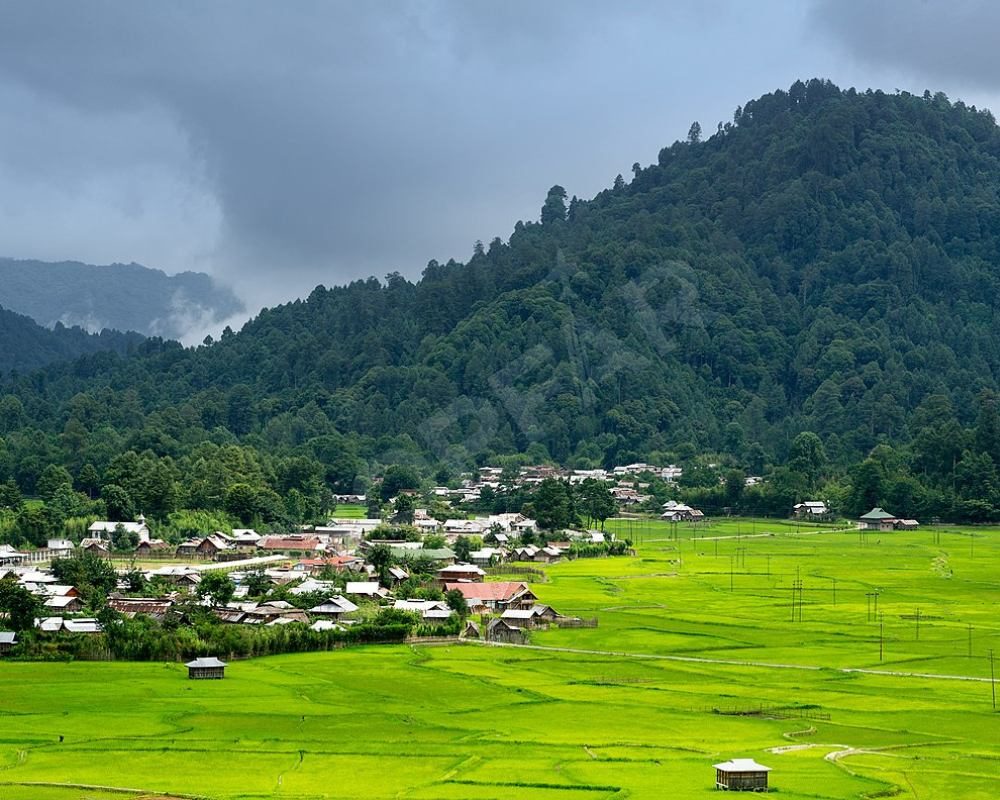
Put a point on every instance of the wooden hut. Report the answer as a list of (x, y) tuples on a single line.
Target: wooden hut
[(202, 669), (741, 775)]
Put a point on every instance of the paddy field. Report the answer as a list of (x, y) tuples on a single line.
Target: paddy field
[(854, 666)]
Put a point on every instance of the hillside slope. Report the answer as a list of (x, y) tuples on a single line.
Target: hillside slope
[(826, 262), (25, 345), (126, 297)]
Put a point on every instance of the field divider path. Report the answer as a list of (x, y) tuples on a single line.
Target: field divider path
[(732, 662)]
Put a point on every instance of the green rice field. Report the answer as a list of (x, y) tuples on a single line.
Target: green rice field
[(706, 649)]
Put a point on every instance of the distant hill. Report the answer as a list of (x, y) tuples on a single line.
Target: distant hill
[(26, 345), (125, 297)]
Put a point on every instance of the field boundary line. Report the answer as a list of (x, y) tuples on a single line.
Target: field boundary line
[(732, 662), (94, 787)]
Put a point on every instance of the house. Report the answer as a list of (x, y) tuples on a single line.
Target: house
[(8, 555), (538, 614), (96, 547), (497, 630), (59, 548), (741, 775), (877, 520), (427, 609), (369, 589), (292, 542), (64, 603), (460, 572), (79, 625), (104, 529), (152, 548), (267, 613), (335, 607), (526, 553), (206, 669), (679, 512), (495, 595), (810, 508), (519, 617), (907, 524), (154, 607), (183, 577), (206, 547), (245, 537), (7, 641), (397, 575), (548, 554)]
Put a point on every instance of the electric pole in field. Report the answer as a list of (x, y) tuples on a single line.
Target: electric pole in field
[(970, 640), (917, 617)]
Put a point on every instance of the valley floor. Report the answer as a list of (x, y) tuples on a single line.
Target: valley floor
[(693, 644)]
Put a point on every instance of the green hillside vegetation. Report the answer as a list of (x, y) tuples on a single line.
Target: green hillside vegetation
[(825, 263), (696, 659), (25, 345)]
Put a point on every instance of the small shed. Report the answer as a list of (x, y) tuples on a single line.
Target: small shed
[(741, 775), (206, 669), (7, 641)]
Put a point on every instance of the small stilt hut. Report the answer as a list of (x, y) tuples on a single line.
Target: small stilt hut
[(206, 669), (741, 775)]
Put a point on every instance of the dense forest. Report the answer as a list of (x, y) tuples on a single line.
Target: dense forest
[(124, 297), (827, 262), (25, 345)]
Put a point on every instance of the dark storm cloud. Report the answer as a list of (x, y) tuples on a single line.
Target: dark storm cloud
[(283, 145)]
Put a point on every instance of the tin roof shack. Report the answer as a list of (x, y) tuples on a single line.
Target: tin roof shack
[(7, 641), (741, 775), (877, 520), (202, 669)]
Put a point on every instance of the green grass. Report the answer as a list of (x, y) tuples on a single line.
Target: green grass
[(347, 511), (634, 719)]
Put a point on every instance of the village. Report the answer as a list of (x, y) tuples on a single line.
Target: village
[(329, 578), (467, 576)]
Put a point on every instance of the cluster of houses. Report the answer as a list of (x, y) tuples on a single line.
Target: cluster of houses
[(506, 609), (624, 478)]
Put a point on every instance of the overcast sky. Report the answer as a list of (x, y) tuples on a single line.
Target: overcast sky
[(281, 145)]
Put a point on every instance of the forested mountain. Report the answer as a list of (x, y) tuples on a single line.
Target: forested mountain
[(125, 297), (25, 345), (828, 261)]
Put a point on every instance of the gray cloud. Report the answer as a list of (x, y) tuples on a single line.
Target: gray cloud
[(278, 146), (945, 44)]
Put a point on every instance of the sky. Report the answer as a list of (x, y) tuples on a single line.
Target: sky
[(278, 146)]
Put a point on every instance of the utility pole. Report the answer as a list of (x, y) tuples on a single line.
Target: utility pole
[(970, 640), (834, 590), (731, 559), (868, 613), (769, 566), (918, 623)]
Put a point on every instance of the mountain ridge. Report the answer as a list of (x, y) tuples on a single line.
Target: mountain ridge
[(115, 296)]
